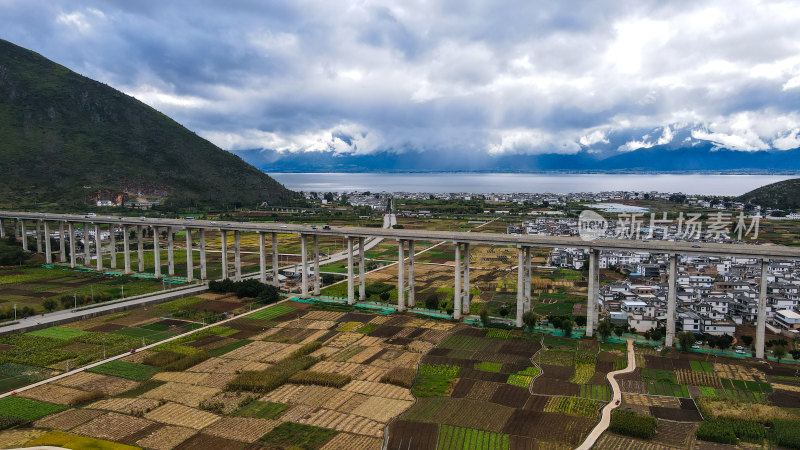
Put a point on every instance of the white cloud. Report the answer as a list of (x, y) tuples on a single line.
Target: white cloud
[(594, 137), (509, 77), (159, 99), (790, 140)]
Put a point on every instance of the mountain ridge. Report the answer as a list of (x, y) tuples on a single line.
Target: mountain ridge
[(67, 140), (702, 157)]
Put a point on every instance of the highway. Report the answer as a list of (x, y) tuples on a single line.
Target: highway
[(653, 245)]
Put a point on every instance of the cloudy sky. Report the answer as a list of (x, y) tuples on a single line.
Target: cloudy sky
[(451, 76)]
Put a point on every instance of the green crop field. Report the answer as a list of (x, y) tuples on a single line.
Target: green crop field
[(58, 333), (27, 409), (458, 438), (295, 435), (263, 410), (124, 369), (148, 335), (271, 312), (29, 286)]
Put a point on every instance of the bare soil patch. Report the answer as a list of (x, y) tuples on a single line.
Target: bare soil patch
[(418, 435), (508, 395)]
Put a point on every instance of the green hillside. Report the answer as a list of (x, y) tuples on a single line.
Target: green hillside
[(65, 138), (783, 195)]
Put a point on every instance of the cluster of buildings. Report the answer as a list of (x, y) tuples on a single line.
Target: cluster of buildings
[(714, 296)]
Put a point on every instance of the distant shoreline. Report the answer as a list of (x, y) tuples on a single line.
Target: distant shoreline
[(552, 172), (706, 183)]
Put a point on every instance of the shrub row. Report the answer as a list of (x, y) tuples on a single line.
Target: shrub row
[(403, 377), (715, 430), (187, 361), (631, 424), (271, 378), (786, 433), (9, 421), (176, 362), (306, 349), (262, 293), (320, 378)]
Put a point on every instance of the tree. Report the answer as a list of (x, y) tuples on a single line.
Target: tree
[(566, 326), (484, 315), (384, 296), (605, 328), (529, 318), (504, 311), (686, 340), (747, 340), (432, 302), (580, 321), (779, 351), (49, 304)]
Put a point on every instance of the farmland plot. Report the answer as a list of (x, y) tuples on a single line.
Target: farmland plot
[(114, 426)]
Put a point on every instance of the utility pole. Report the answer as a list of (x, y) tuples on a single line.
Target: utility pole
[(123, 291), (15, 312), (75, 299), (104, 348)]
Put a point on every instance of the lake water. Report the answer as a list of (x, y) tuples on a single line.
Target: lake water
[(478, 183)]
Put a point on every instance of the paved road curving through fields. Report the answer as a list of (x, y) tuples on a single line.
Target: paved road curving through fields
[(605, 418)]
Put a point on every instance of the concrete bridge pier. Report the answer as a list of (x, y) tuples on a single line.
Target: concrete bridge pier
[(262, 258), (237, 254), (520, 284), (411, 299), (275, 278), (87, 252), (98, 242), (38, 236), (350, 282), (189, 256), (466, 298), (401, 268), (761, 319), (170, 252), (592, 288), (672, 291), (16, 229), (224, 241), (156, 253), (48, 253), (72, 246), (362, 277), (457, 290), (2, 229), (316, 265), (24, 235), (203, 274), (140, 247), (526, 304), (62, 244), (303, 266), (126, 249), (112, 239)]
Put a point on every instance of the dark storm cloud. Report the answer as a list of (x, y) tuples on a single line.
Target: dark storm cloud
[(449, 76)]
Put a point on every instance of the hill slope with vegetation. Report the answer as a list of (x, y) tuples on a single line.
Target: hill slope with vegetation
[(67, 140), (783, 195)]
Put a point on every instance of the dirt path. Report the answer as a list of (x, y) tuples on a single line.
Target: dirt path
[(605, 418)]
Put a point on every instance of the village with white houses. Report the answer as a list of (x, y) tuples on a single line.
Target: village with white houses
[(715, 294)]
